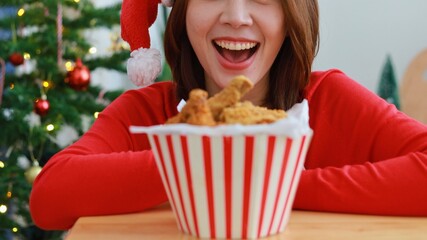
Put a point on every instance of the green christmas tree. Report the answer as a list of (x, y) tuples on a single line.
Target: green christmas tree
[(48, 101), (388, 88)]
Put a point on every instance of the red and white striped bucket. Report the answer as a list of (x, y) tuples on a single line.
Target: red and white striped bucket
[(230, 186)]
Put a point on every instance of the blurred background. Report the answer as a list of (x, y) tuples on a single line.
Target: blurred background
[(357, 35)]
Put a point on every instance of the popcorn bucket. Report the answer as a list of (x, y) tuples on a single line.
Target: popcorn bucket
[(231, 181)]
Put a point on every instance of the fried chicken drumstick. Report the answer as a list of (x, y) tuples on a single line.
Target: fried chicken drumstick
[(196, 111)]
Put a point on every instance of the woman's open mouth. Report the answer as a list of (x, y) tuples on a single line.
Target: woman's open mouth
[(235, 55)]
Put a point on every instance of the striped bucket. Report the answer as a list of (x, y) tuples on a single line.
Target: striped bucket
[(232, 181), (230, 186)]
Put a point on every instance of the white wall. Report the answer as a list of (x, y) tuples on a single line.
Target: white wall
[(357, 35)]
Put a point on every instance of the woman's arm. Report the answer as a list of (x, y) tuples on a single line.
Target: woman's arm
[(365, 157), (108, 170)]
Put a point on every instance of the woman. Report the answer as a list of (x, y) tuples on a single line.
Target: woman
[(365, 156)]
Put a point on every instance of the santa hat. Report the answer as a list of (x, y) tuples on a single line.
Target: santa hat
[(144, 64)]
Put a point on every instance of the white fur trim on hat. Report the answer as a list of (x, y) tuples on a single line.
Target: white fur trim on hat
[(167, 3), (144, 66)]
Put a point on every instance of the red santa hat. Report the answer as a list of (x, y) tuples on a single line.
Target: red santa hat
[(144, 64)]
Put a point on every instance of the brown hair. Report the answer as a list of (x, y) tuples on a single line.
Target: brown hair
[(290, 72)]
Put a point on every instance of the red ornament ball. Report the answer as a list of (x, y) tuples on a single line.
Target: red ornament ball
[(79, 77), (41, 106), (16, 59)]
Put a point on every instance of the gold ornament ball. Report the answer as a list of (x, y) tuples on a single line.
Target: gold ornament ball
[(32, 173)]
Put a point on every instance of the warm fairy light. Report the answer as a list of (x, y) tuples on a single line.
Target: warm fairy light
[(27, 56), (50, 127), (3, 208), (92, 50), (1, 164), (93, 22), (46, 84), (96, 114), (15, 229), (76, 1), (69, 66), (11, 86), (9, 194), (21, 12)]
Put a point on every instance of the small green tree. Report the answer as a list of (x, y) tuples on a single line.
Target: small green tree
[(388, 88)]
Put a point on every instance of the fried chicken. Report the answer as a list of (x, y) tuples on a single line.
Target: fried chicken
[(246, 113), (224, 107), (196, 111), (230, 95)]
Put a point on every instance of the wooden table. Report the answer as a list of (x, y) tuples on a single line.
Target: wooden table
[(159, 223)]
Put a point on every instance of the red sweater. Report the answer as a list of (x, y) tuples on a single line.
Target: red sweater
[(365, 157)]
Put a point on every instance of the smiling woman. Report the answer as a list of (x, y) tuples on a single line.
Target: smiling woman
[(365, 155), (284, 41), (235, 23)]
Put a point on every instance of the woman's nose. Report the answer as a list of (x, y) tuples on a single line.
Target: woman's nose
[(236, 13)]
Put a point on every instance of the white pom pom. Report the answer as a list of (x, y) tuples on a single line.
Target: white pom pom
[(167, 3), (144, 66)]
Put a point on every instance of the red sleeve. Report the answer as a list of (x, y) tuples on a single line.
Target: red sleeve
[(365, 156), (109, 170)]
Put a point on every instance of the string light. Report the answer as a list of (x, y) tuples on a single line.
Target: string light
[(76, 1), (96, 114), (11, 86), (21, 12), (93, 22), (1, 164), (92, 50), (50, 127), (9, 190), (69, 66), (3, 209), (15, 229), (27, 56), (46, 84)]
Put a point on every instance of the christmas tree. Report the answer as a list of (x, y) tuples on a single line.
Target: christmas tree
[(46, 97), (388, 88)]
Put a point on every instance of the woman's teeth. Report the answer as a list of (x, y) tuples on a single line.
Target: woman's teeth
[(235, 46)]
